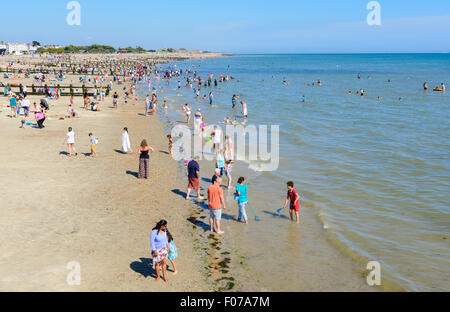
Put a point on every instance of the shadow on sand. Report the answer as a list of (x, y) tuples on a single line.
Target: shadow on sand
[(133, 173), (178, 192), (143, 267), (199, 223)]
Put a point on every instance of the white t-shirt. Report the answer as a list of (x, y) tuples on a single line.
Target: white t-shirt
[(25, 103), (70, 137)]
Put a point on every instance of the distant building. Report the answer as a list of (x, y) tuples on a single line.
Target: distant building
[(17, 48), (51, 46)]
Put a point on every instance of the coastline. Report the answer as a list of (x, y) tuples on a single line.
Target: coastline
[(229, 264)]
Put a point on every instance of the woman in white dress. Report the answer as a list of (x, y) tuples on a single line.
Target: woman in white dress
[(126, 145)]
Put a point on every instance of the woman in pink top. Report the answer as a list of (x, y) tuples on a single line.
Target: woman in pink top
[(40, 118)]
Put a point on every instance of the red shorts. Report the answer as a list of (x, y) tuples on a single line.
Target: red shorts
[(194, 183), (296, 208)]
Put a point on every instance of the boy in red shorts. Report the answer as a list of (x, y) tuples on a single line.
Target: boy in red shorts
[(294, 199)]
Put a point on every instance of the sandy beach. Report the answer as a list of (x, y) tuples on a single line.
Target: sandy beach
[(94, 211)]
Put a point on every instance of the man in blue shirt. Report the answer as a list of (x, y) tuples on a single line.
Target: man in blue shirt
[(194, 178)]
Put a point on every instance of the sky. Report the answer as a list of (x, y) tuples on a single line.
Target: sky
[(236, 26)]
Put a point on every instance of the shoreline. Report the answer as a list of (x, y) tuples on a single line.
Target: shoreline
[(235, 259)]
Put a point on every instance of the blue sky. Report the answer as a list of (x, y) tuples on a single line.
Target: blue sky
[(244, 26)]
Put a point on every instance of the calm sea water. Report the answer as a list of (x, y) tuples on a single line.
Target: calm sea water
[(376, 172)]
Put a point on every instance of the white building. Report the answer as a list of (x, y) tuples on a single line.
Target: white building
[(19, 48)]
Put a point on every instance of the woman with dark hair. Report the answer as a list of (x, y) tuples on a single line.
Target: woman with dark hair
[(160, 248), (144, 159), (241, 195)]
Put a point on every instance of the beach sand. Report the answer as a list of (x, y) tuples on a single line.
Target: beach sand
[(94, 211)]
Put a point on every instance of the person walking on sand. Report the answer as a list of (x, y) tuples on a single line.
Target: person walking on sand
[(229, 148), (215, 203), (13, 106), (126, 146), (241, 193), (229, 168), (173, 252), (220, 161), (144, 159), (294, 200), (86, 102), (169, 137), (93, 142), (147, 105), (70, 140), (115, 99), (160, 249), (194, 178)]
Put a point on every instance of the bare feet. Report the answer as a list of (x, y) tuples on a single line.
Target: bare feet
[(165, 279), (157, 279), (175, 273), (221, 232)]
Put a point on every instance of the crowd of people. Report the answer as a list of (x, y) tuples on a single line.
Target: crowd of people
[(161, 241)]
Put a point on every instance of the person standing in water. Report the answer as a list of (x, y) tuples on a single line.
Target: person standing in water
[(294, 198), (211, 96), (425, 85), (244, 110), (197, 121), (187, 110)]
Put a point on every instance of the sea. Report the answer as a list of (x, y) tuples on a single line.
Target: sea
[(373, 171)]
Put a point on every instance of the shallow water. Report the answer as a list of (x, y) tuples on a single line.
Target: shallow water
[(375, 172)]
